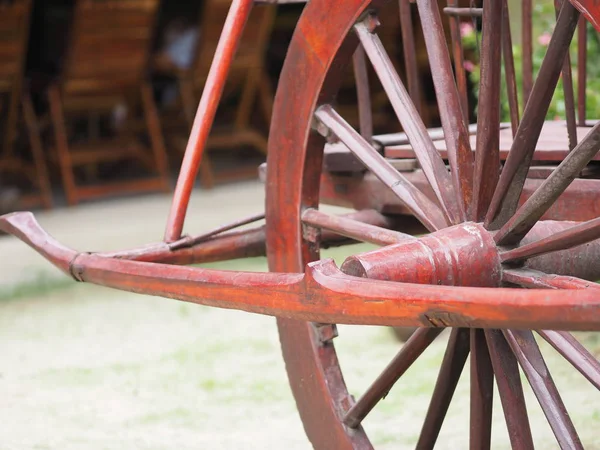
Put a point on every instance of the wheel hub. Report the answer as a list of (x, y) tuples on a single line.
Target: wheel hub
[(462, 255)]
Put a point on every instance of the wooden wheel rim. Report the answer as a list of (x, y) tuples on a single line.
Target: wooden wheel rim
[(313, 369), (321, 47)]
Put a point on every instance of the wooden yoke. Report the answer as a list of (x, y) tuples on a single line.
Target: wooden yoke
[(323, 293)]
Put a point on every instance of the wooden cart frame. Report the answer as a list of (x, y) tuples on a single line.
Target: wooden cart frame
[(505, 253)]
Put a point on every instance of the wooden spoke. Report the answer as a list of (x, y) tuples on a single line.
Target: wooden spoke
[(567, 82), (511, 391), (545, 196), (190, 241), (450, 371), (506, 195), (581, 69), (534, 279), (482, 389), (410, 53), (222, 247), (487, 155), (567, 79), (572, 350), (571, 237), (527, 45), (411, 350), (531, 361), (456, 134), (430, 160), (509, 70), (458, 56), (424, 209), (400, 138), (354, 229), (207, 108), (363, 94), (463, 12)]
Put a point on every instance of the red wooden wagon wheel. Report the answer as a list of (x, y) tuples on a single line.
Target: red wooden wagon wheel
[(490, 269), (478, 229)]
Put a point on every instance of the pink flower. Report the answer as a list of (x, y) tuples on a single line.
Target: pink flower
[(544, 38), (466, 29), (469, 66)]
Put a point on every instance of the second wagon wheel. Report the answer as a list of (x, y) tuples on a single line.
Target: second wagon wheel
[(473, 202)]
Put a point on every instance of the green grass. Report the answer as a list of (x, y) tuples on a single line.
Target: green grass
[(40, 283)]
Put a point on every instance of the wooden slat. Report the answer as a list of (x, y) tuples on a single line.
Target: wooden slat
[(553, 144)]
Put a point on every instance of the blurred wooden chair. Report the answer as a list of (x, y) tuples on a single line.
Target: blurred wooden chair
[(105, 71), (248, 79), (17, 116)]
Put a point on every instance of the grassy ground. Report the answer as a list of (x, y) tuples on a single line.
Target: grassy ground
[(85, 367)]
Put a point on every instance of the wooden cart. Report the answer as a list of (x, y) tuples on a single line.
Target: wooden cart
[(506, 249)]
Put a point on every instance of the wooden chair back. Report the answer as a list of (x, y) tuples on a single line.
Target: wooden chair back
[(14, 34), (14, 31), (109, 45)]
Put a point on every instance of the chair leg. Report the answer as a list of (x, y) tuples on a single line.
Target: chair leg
[(62, 145), (39, 162), (12, 118), (265, 93), (186, 90), (156, 137), (244, 109)]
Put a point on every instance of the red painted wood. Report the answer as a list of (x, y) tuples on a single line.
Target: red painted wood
[(359, 230), (207, 108), (550, 190), (448, 101), (575, 261), (509, 70), (570, 237), (510, 388), (574, 352), (553, 144), (424, 209), (334, 296), (407, 114), (463, 255), (363, 95), (487, 158), (410, 352), (590, 9), (211, 247), (510, 185), (450, 371), (579, 201), (313, 370), (534, 279), (530, 359), (482, 392)]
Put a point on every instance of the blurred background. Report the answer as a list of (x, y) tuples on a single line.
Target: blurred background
[(96, 105)]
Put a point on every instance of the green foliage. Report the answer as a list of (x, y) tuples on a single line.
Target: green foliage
[(543, 26)]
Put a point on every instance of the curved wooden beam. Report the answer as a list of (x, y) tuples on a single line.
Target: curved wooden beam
[(323, 293)]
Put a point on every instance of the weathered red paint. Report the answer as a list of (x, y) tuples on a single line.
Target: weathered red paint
[(455, 277), (590, 9), (463, 255), (323, 293)]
